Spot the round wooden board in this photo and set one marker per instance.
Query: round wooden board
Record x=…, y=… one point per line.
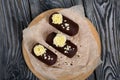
x=27, y=59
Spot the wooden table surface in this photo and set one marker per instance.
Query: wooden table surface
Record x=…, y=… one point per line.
x=15, y=15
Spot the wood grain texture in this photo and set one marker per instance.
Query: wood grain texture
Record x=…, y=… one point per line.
x=104, y=17
x=15, y=15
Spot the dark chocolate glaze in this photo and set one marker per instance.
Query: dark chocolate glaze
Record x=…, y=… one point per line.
x=70, y=53
x=48, y=53
x=73, y=27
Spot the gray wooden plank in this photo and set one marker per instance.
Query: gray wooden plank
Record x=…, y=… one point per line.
x=14, y=17
x=103, y=15
x=39, y=6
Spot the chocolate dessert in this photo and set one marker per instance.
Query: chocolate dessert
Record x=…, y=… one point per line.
x=63, y=24
x=66, y=47
x=44, y=54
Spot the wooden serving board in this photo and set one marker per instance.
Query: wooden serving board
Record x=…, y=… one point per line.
x=35, y=21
